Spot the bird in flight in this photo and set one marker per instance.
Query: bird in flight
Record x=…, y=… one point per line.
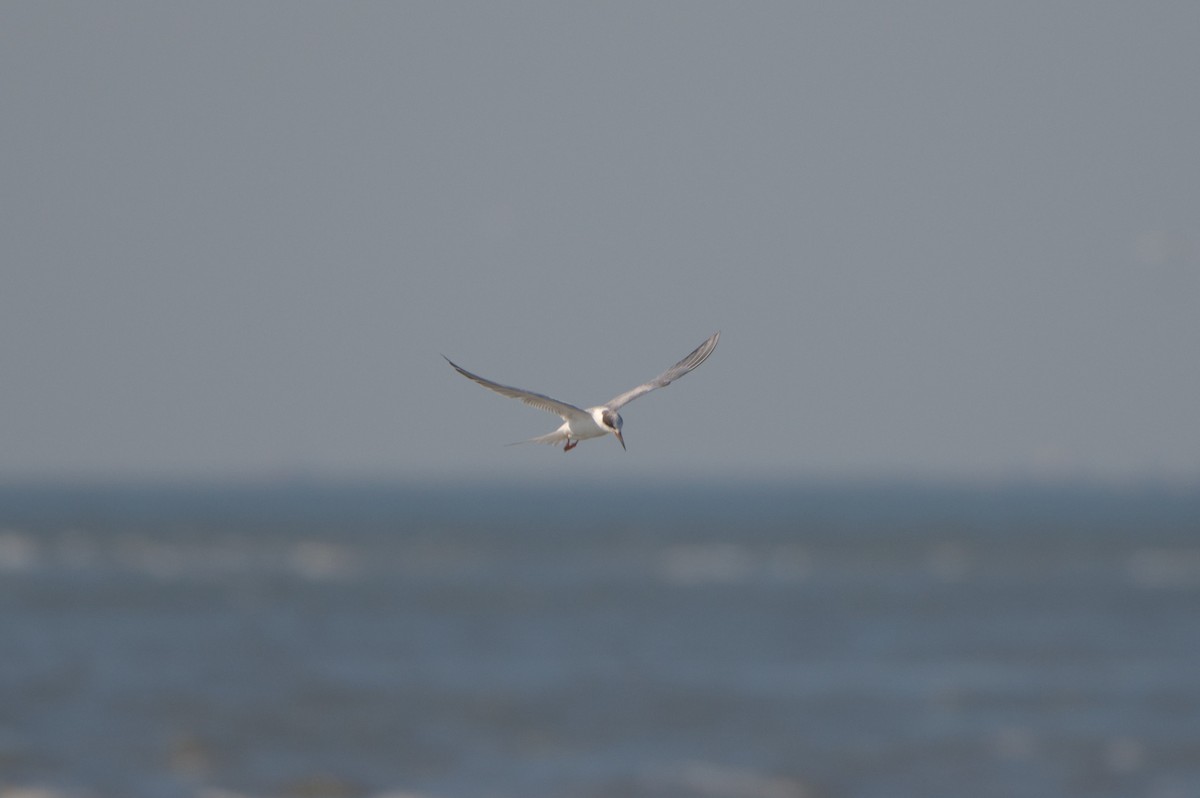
x=594, y=422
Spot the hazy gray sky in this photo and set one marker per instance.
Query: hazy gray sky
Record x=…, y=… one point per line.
x=940, y=239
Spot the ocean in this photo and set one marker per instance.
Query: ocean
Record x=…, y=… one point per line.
x=709, y=640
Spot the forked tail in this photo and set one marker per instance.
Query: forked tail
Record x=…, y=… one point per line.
x=552, y=438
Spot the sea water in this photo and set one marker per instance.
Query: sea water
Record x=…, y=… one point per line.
x=474, y=640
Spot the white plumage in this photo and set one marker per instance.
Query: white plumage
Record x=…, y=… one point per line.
x=593, y=422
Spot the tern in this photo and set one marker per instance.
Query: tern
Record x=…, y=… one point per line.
x=579, y=423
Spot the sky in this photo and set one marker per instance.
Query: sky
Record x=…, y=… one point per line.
x=941, y=240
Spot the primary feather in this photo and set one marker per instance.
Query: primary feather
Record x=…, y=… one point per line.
x=540, y=401
x=697, y=356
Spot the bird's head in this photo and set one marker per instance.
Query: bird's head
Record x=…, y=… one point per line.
x=612, y=419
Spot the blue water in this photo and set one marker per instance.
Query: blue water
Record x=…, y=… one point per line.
x=709, y=640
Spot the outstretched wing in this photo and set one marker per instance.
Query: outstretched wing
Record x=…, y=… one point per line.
x=698, y=356
x=562, y=409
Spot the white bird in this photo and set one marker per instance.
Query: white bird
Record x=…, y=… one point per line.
x=594, y=422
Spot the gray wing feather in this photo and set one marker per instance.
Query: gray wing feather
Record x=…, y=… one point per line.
x=541, y=402
x=698, y=356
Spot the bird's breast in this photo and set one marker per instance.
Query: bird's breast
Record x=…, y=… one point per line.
x=586, y=428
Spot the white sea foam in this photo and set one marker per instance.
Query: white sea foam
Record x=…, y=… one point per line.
x=948, y=562
x=1124, y=755
x=33, y=792
x=729, y=563
x=18, y=551
x=1014, y=743
x=320, y=561
x=720, y=563
x=219, y=792
x=1165, y=568
x=705, y=778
